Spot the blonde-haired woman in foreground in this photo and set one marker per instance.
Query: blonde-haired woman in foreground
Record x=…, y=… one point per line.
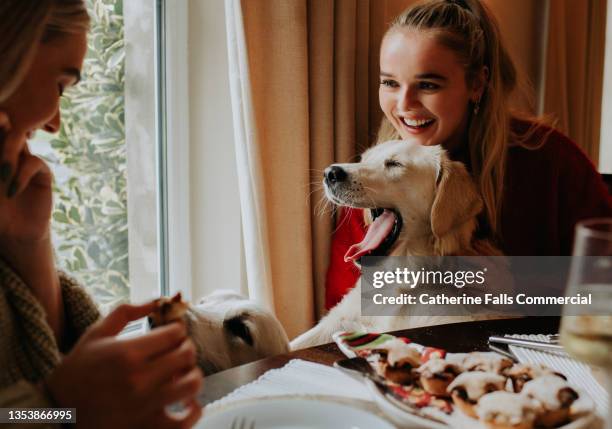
x=55, y=351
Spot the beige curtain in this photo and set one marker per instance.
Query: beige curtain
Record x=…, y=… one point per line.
x=574, y=69
x=307, y=63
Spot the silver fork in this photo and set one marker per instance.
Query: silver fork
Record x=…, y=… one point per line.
x=242, y=423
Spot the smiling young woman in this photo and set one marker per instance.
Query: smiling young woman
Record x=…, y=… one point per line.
x=446, y=79
x=54, y=348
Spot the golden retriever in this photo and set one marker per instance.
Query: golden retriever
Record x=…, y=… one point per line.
x=427, y=205
x=229, y=330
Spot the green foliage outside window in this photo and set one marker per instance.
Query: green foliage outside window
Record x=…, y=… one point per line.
x=89, y=160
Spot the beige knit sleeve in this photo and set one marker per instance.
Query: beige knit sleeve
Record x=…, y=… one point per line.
x=80, y=310
x=25, y=395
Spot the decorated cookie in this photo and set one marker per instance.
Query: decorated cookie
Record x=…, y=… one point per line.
x=469, y=387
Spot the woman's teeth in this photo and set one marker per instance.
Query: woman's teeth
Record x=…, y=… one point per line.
x=417, y=123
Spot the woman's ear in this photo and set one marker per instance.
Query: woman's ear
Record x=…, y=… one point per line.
x=457, y=200
x=479, y=84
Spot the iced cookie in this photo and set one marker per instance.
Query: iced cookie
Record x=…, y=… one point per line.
x=505, y=410
x=555, y=397
x=487, y=362
x=436, y=375
x=400, y=360
x=522, y=373
x=469, y=387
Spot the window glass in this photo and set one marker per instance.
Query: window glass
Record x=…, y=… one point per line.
x=88, y=159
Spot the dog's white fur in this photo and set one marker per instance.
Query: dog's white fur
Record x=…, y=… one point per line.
x=230, y=330
x=439, y=204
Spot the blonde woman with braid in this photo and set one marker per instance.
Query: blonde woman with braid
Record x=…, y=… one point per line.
x=54, y=348
x=446, y=79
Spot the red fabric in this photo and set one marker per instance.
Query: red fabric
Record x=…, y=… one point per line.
x=341, y=276
x=547, y=192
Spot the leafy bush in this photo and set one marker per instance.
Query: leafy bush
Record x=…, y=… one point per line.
x=90, y=163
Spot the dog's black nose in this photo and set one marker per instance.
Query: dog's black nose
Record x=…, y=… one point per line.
x=335, y=174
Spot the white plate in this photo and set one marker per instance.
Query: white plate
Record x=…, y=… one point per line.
x=294, y=413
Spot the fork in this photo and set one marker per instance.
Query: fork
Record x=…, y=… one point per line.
x=242, y=423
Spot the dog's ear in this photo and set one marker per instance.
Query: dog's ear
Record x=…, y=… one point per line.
x=457, y=200
x=238, y=327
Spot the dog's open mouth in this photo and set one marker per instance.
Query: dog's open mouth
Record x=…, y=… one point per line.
x=381, y=235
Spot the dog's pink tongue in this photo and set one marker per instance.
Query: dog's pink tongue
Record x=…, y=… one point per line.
x=378, y=230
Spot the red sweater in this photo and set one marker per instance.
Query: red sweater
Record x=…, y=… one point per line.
x=547, y=191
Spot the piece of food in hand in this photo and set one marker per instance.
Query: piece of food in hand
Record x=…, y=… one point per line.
x=505, y=410
x=487, y=362
x=436, y=375
x=168, y=310
x=521, y=373
x=469, y=387
x=401, y=359
x=555, y=397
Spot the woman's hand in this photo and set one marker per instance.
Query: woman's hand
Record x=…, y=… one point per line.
x=116, y=383
x=25, y=189
x=25, y=212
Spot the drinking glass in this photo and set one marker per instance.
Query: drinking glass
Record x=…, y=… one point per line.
x=586, y=331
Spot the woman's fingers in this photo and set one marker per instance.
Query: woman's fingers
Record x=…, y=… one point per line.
x=184, y=388
x=32, y=171
x=162, y=370
x=159, y=341
x=195, y=413
x=112, y=324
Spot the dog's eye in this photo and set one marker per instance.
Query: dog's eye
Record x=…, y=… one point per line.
x=237, y=327
x=390, y=163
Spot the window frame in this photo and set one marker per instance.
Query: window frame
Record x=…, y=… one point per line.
x=173, y=149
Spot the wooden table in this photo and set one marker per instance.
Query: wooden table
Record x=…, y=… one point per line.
x=456, y=337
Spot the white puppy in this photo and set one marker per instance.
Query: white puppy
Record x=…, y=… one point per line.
x=230, y=330
x=424, y=204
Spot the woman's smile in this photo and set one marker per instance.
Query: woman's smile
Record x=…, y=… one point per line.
x=416, y=125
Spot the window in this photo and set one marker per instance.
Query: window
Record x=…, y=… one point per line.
x=137, y=195
x=88, y=158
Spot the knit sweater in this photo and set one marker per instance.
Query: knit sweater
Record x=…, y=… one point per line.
x=546, y=192
x=28, y=350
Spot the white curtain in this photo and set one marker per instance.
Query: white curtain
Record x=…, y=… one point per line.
x=252, y=204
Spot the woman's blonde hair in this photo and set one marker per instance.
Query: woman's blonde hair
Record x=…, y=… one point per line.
x=26, y=23
x=467, y=28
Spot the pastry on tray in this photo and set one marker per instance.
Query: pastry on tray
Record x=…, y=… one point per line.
x=435, y=375
x=521, y=373
x=555, y=398
x=475, y=390
x=168, y=310
x=400, y=360
x=505, y=410
x=469, y=387
x=487, y=362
